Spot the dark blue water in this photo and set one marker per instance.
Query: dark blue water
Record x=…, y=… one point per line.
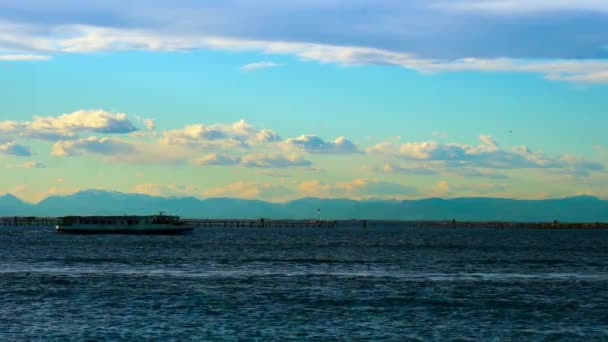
x=378, y=283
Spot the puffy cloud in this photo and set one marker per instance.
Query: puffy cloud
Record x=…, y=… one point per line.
x=412, y=170
x=151, y=153
x=239, y=134
x=15, y=149
x=265, y=161
x=68, y=125
x=435, y=168
x=274, y=161
x=193, y=134
x=94, y=145
x=260, y=65
x=266, y=135
x=12, y=127
x=122, y=151
x=487, y=154
x=215, y=159
x=98, y=121
x=315, y=144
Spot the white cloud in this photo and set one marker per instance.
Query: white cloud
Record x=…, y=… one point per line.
x=315, y=144
x=97, y=120
x=260, y=65
x=94, y=145
x=274, y=161
x=523, y=6
x=425, y=170
x=12, y=127
x=67, y=126
x=123, y=151
x=19, y=58
x=215, y=159
x=86, y=38
x=264, y=161
x=193, y=134
x=594, y=77
x=239, y=134
x=488, y=154
x=266, y=136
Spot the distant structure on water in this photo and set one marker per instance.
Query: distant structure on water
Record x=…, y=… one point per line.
x=155, y=224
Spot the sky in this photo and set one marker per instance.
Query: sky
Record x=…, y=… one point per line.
x=279, y=100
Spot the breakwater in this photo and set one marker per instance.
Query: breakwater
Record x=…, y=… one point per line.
x=484, y=224
x=260, y=223
x=16, y=221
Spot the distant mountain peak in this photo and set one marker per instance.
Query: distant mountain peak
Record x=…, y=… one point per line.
x=583, y=198
x=97, y=192
x=10, y=197
x=582, y=208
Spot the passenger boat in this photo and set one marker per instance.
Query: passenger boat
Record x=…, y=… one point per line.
x=154, y=224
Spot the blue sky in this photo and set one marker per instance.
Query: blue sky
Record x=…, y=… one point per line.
x=280, y=100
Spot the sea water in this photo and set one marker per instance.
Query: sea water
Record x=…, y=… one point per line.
x=381, y=282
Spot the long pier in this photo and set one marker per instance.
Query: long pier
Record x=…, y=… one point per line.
x=31, y=221
x=18, y=221
x=484, y=224
x=260, y=223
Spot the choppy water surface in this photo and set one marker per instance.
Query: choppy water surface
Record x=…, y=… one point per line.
x=348, y=282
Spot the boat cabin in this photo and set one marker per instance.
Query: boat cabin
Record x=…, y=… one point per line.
x=119, y=220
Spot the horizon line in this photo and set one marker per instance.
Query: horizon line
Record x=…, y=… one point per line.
x=303, y=198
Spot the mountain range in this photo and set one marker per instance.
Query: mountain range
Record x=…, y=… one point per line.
x=99, y=202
